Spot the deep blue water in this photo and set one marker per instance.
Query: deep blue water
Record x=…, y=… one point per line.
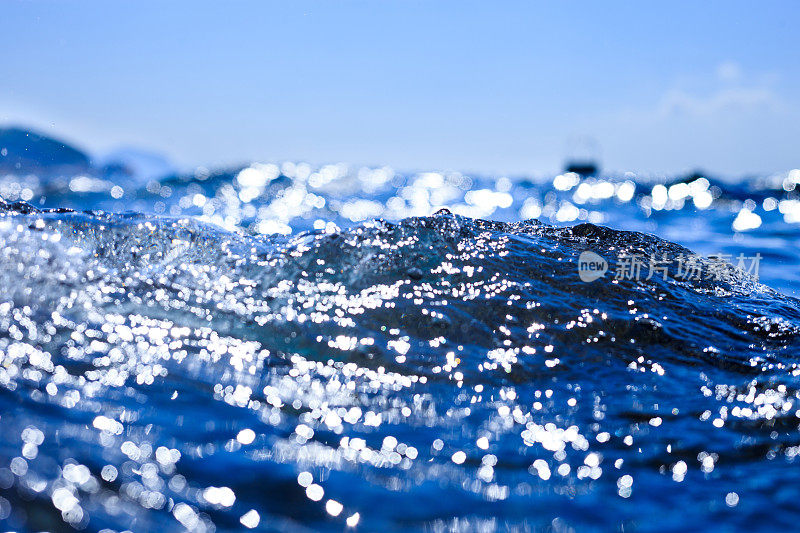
x=297, y=348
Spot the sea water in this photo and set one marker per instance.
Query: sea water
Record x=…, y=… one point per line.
x=282, y=347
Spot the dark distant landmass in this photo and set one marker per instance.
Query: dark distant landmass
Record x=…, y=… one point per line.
x=25, y=151
x=22, y=149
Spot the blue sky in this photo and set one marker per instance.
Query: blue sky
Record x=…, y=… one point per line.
x=485, y=87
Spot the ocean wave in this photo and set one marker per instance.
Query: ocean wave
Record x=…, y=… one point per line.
x=440, y=372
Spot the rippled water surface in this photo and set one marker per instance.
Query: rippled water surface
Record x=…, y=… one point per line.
x=291, y=348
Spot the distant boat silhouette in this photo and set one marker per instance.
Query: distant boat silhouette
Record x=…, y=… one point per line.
x=584, y=168
x=582, y=156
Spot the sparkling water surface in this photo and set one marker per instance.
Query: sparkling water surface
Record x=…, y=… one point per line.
x=281, y=347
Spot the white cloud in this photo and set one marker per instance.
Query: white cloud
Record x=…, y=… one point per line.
x=680, y=102
x=729, y=71
x=730, y=92
x=727, y=120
